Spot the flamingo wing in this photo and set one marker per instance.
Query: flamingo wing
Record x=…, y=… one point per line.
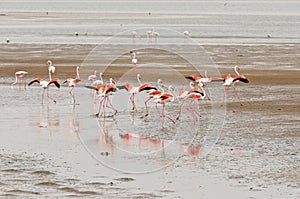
x=242, y=79
x=146, y=87
x=96, y=88
x=193, y=77
x=37, y=80
x=55, y=82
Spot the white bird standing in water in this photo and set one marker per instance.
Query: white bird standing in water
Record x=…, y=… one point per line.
x=20, y=75
x=72, y=83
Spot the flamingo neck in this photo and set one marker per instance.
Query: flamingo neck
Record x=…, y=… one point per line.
x=50, y=76
x=236, y=69
x=138, y=77
x=15, y=81
x=77, y=73
x=100, y=75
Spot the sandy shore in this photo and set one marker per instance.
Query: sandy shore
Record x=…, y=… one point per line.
x=257, y=154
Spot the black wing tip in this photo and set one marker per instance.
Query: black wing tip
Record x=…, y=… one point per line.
x=190, y=78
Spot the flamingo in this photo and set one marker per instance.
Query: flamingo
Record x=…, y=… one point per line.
x=163, y=99
x=20, y=75
x=134, y=90
x=186, y=35
x=134, y=60
x=231, y=81
x=149, y=34
x=105, y=91
x=203, y=80
x=51, y=68
x=45, y=85
x=153, y=94
x=93, y=77
x=72, y=83
x=133, y=36
x=193, y=93
x=155, y=35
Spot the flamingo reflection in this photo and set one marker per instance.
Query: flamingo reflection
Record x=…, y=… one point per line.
x=191, y=149
x=47, y=118
x=105, y=140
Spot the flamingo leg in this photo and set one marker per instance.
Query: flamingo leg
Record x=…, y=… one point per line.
x=225, y=91
x=207, y=92
x=50, y=97
x=195, y=114
x=163, y=115
x=132, y=101
x=72, y=95
x=180, y=110
x=157, y=110
x=25, y=84
x=110, y=105
x=43, y=96
x=237, y=95
x=147, y=109
x=103, y=106
x=100, y=106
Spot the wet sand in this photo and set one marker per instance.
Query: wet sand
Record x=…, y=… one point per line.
x=256, y=156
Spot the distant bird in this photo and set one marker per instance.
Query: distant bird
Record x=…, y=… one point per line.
x=155, y=35
x=7, y=40
x=45, y=85
x=231, y=81
x=72, y=83
x=133, y=35
x=20, y=75
x=134, y=59
x=152, y=34
x=186, y=36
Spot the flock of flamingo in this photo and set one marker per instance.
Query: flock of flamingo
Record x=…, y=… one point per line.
x=157, y=93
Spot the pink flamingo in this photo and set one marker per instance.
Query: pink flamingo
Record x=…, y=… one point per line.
x=45, y=85
x=51, y=68
x=72, y=83
x=153, y=94
x=105, y=91
x=193, y=93
x=133, y=90
x=133, y=36
x=163, y=99
x=20, y=75
x=106, y=102
x=231, y=81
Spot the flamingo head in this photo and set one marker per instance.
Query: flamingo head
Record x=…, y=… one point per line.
x=49, y=62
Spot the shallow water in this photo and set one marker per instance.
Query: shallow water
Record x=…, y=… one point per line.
x=95, y=21
x=64, y=150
